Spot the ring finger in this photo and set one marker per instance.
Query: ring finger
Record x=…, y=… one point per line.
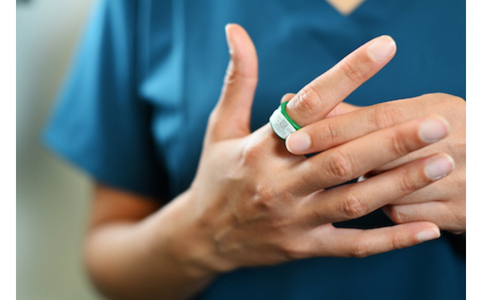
x=355, y=200
x=351, y=160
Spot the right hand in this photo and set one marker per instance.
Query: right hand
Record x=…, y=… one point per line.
x=253, y=203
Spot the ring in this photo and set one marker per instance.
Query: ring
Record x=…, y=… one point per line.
x=281, y=123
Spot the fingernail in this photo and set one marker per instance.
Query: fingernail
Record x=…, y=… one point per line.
x=228, y=39
x=298, y=142
x=382, y=48
x=439, y=167
x=428, y=235
x=433, y=129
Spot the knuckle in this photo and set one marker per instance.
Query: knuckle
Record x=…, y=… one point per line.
x=319, y=216
x=458, y=100
x=406, y=184
x=453, y=102
x=308, y=99
x=234, y=75
x=448, y=100
x=457, y=145
x=251, y=152
x=287, y=97
x=291, y=251
x=461, y=218
x=457, y=216
x=383, y=116
x=265, y=198
x=354, y=72
x=396, y=215
x=354, y=207
x=330, y=134
x=360, y=249
x=339, y=166
x=398, y=144
x=442, y=97
x=397, y=242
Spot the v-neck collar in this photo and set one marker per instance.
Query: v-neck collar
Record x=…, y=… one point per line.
x=358, y=27
x=337, y=7
x=371, y=11
x=374, y=12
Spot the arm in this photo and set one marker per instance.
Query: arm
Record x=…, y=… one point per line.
x=123, y=257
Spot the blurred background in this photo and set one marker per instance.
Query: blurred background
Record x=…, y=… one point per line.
x=52, y=198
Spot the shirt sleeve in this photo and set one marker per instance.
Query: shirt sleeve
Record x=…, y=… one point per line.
x=99, y=123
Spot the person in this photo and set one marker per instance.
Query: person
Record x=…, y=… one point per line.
x=198, y=198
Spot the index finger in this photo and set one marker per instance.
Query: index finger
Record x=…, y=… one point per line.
x=314, y=101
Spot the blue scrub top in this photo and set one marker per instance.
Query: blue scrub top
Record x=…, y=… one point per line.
x=133, y=114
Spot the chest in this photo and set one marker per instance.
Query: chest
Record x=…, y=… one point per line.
x=345, y=7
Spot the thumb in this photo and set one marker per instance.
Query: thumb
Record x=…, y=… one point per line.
x=231, y=116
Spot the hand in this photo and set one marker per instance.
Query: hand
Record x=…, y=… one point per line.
x=443, y=202
x=253, y=203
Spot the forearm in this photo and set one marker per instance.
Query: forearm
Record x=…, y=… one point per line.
x=141, y=261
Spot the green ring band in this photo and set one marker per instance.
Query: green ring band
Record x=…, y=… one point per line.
x=283, y=111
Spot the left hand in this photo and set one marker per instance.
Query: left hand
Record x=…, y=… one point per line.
x=442, y=202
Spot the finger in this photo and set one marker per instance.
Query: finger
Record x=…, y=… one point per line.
x=444, y=144
x=343, y=127
x=439, y=191
x=412, y=156
x=356, y=200
x=427, y=194
x=270, y=139
x=353, y=159
x=341, y=109
x=334, y=131
x=287, y=97
x=362, y=243
x=231, y=116
x=314, y=101
x=447, y=218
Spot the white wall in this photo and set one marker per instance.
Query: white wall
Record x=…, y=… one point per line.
x=52, y=198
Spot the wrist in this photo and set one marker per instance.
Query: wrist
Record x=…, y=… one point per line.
x=181, y=238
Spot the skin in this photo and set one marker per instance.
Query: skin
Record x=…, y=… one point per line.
x=254, y=203
x=442, y=203
x=345, y=7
